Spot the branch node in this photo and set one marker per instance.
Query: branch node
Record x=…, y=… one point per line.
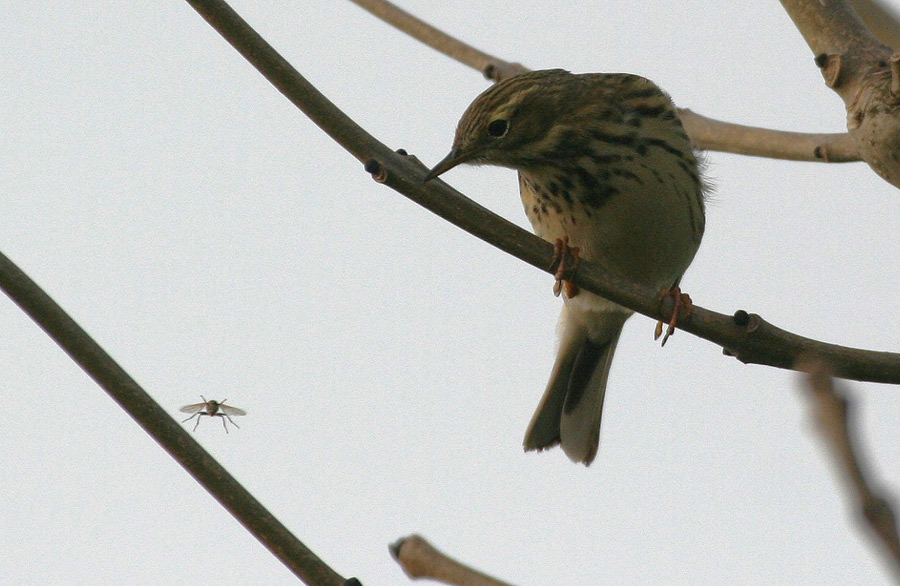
x=831, y=68
x=499, y=70
x=895, y=73
x=821, y=152
x=754, y=322
x=352, y=582
x=855, y=118
x=880, y=516
x=741, y=318
x=378, y=173
x=394, y=548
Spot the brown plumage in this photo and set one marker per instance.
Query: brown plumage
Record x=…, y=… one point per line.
x=603, y=161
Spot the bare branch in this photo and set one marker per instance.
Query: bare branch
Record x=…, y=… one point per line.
x=420, y=559
x=747, y=337
x=492, y=67
x=173, y=438
x=881, y=19
x=706, y=133
x=857, y=67
x=895, y=73
x=833, y=412
x=830, y=27
x=714, y=135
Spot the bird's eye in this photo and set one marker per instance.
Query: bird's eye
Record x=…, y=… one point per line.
x=498, y=128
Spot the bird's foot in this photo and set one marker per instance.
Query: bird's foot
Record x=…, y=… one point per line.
x=683, y=306
x=564, y=261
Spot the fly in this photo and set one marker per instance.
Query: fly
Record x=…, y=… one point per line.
x=212, y=408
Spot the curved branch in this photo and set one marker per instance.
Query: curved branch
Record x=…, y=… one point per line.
x=833, y=412
x=747, y=337
x=858, y=68
x=706, y=133
x=166, y=431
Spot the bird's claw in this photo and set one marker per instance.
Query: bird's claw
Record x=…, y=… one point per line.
x=563, y=256
x=683, y=306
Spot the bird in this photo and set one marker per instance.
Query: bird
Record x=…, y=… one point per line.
x=607, y=173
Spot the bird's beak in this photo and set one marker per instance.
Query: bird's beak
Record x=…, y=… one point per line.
x=453, y=159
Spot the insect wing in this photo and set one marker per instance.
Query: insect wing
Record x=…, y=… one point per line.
x=193, y=408
x=229, y=410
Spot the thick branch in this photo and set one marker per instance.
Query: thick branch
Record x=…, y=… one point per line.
x=705, y=133
x=165, y=430
x=858, y=68
x=829, y=27
x=748, y=337
x=881, y=19
x=834, y=414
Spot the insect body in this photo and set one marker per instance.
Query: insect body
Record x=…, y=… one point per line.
x=212, y=408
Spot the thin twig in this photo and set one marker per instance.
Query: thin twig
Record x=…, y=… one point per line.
x=420, y=559
x=747, y=337
x=706, y=133
x=833, y=412
x=165, y=430
x=491, y=67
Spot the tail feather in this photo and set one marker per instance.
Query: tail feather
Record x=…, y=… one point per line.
x=572, y=405
x=543, y=431
x=583, y=409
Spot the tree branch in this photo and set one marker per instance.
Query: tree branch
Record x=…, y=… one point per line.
x=420, y=559
x=858, y=68
x=714, y=135
x=706, y=133
x=167, y=432
x=491, y=67
x=833, y=412
x=743, y=335
x=747, y=337
x=881, y=19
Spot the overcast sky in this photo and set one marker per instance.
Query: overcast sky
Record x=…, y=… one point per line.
x=215, y=242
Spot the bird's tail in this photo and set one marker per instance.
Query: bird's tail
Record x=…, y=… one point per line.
x=570, y=411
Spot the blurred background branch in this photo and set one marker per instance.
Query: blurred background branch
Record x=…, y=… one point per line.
x=836, y=420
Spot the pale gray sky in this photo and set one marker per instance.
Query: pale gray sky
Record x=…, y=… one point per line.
x=215, y=242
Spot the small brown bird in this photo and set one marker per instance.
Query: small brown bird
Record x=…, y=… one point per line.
x=606, y=166
x=212, y=408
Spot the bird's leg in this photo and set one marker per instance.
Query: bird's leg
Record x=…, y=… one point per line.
x=682, y=300
x=563, y=256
